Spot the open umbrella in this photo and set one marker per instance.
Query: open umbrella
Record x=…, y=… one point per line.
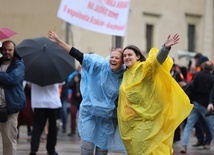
x=45, y=62
x=6, y=33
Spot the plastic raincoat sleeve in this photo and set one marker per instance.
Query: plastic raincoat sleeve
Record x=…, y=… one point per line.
x=151, y=106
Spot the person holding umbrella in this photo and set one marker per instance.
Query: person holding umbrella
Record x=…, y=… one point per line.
x=46, y=102
x=12, y=96
x=100, y=81
x=6, y=33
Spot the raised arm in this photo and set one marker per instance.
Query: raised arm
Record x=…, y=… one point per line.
x=54, y=37
x=170, y=41
x=78, y=55
x=164, y=51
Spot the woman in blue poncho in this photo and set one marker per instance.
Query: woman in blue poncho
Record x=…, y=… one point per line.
x=100, y=81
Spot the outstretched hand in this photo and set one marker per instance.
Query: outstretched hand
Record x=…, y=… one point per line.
x=171, y=40
x=53, y=36
x=210, y=107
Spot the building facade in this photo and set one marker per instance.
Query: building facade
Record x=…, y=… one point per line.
x=149, y=23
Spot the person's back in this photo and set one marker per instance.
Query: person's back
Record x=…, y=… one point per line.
x=46, y=103
x=45, y=97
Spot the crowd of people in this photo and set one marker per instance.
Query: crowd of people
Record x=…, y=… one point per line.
x=124, y=102
x=25, y=103
x=198, y=88
x=197, y=80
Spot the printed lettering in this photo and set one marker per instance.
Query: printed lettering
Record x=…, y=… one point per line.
x=122, y=4
x=78, y=15
x=97, y=21
x=101, y=9
x=113, y=14
x=91, y=5
x=65, y=8
x=115, y=27
x=111, y=3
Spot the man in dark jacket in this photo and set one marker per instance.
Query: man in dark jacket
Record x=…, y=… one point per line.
x=11, y=94
x=202, y=85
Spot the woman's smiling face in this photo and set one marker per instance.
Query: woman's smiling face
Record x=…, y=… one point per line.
x=130, y=58
x=116, y=60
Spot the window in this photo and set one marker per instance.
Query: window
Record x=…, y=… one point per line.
x=193, y=30
x=117, y=42
x=191, y=37
x=149, y=36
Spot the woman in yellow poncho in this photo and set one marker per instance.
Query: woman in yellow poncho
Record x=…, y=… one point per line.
x=151, y=103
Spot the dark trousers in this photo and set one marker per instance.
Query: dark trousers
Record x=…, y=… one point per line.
x=203, y=133
x=73, y=111
x=41, y=116
x=177, y=134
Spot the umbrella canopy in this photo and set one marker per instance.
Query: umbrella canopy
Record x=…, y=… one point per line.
x=6, y=33
x=45, y=62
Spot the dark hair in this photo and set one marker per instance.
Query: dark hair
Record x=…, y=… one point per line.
x=198, y=55
x=8, y=41
x=208, y=65
x=202, y=59
x=136, y=51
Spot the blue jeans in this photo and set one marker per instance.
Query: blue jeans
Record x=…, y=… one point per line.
x=197, y=111
x=64, y=114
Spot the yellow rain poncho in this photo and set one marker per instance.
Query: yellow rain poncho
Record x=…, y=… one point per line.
x=151, y=106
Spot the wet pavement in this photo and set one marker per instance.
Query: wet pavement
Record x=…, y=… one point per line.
x=71, y=145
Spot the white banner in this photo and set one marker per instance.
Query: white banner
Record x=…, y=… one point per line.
x=103, y=16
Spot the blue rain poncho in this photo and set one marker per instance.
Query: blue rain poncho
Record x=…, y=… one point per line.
x=98, y=115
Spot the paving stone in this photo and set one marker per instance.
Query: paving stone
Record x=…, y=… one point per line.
x=71, y=145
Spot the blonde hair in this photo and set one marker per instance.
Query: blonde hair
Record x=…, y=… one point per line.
x=118, y=49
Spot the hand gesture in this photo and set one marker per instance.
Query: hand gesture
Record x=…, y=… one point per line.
x=53, y=36
x=171, y=41
x=210, y=107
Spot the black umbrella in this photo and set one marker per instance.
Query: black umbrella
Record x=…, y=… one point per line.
x=45, y=62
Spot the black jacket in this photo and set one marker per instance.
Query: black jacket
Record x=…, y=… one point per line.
x=202, y=82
